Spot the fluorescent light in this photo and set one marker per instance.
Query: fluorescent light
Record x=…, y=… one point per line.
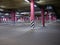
x=41, y=1
x=17, y=12
x=27, y=1
x=1, y=13
x=2, y=16
x=35, y=6
x=2, y=6
x=25, y=13
x=49, y=7
x=17, y=15
x=1, y=10
x=6, y=13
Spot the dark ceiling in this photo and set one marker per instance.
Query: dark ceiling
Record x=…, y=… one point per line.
x=23, y=5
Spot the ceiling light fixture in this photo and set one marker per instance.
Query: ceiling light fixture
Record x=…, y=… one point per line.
x=1, y=10
x=49, y=7
x=6, y=13
x=2, y=6
x=41, y=2
x=35, y=6
x=27, y=1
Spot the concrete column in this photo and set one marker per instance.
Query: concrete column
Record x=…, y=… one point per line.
x=47, y=16
x=0, y=19
x=32, y=13
x=54, y=17
x=32, y=10
x=51, y=17
x=43, y=18
x=13, y=16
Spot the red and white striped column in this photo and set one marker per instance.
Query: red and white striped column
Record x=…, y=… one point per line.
x=32, y=14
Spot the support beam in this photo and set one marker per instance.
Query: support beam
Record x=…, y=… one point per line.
x=13, y=16
x=32, y=13
x=51, y=17
x=32, y=10
x=47, y=16
x=42, y=15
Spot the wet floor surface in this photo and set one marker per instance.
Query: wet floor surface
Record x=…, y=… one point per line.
x=49, y=35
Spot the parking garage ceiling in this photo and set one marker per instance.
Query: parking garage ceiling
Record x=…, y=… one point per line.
x=23, y=5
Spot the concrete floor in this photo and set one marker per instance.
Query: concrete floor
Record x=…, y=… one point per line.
x=13, y=35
